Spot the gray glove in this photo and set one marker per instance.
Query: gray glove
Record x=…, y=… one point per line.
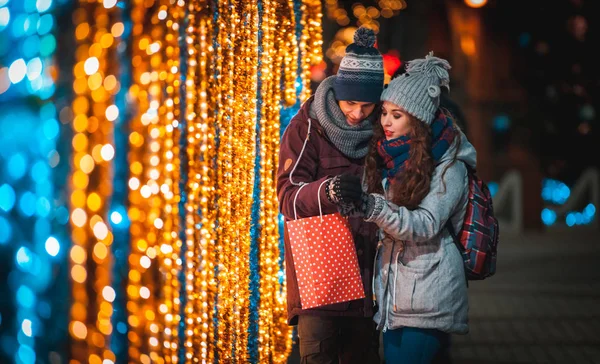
x=372, y=204
x=368, y=205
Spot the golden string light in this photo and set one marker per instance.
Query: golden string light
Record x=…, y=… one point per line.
x=214, y=49
x=244, y=129
x=366, y=15
x=226, y=234
x=94, y=112
x=136, y=139
x=169, y=114
x=311, y=42
x=281, y=332
x=268, y=84
x=290, y=54
x=337, y=13
x=192, y=218
x=278, y=25
x=201, y=190
x=146, y=322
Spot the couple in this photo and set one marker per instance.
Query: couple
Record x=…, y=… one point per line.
x=399, y=167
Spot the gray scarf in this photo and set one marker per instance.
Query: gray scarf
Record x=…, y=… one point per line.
x=353, y=141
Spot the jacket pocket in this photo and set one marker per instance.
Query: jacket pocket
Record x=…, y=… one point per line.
x=333, y=165
x=415, y=286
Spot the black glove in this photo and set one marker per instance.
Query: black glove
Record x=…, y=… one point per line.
x=345, y=189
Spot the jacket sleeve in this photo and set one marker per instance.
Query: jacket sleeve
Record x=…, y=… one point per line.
x=306, y=171
x=429, y=218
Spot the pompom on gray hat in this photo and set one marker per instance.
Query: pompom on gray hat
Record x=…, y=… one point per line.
x=418, y=90
x=360, y=76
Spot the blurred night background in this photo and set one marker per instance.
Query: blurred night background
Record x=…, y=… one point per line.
x=527, y=90
x=524, y=85
x=523, y=76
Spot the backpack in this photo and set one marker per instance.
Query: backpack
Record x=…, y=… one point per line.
x=477, y=240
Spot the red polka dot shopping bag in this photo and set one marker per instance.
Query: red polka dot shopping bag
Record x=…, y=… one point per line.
x=325, y=258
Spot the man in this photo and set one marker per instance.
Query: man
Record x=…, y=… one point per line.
x=338, y=119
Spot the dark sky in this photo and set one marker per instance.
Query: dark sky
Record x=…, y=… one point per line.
x=551, y=44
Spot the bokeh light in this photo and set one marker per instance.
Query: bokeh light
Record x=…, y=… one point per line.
x=476, y=3
x=29, y=204
x=555, y=191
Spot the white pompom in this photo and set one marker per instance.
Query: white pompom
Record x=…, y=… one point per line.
x=434, y=91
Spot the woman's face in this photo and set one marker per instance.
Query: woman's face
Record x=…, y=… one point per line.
x=394, y=120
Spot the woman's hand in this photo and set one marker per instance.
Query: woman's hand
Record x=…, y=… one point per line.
x=371, y=205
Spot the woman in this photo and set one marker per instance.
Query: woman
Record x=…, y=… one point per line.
x=417, y=182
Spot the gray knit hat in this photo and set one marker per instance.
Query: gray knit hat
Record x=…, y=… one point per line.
x=418, y=90
x=360, y=76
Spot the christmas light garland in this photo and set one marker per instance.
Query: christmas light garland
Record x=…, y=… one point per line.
x=208, y=82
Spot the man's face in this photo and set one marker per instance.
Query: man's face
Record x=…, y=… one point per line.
x=356, y=111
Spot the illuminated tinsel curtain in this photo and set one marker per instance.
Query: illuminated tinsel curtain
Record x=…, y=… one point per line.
x=176, y=116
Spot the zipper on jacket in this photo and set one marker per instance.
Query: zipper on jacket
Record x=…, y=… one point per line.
x=387, y=304
x=387, y=285
x=387, y=300
x=395, y=281
x=373, y=278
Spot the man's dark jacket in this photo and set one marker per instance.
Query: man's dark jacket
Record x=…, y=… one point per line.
x=320, y=160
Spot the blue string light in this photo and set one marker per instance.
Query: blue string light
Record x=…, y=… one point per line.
x=118, y=217
x=183, y=51
x=216, y=45
x=29, y=132
x=255, y=228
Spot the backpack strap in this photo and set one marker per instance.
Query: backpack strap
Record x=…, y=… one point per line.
x=460, y=247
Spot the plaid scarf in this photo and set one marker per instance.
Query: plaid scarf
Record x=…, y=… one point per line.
x=395, y=152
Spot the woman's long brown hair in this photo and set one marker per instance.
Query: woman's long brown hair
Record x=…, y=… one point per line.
x=416, y=177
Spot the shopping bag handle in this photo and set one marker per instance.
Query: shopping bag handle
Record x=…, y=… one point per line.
x=318, y=199
x=295, y=197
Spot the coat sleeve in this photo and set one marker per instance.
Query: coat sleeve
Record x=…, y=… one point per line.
x=429, y=218
x=306, y=171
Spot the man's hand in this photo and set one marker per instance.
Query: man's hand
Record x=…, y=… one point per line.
x=345, y=189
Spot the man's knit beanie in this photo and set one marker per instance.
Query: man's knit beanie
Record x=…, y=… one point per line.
x=418, y=90
x=360, y=76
